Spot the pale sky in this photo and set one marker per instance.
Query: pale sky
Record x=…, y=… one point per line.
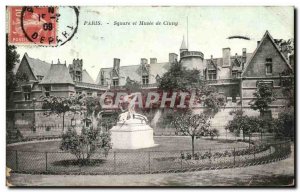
x=208, y=29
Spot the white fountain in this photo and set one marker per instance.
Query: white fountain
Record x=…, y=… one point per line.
x=132, y=130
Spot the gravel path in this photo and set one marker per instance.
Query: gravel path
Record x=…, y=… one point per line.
x=278, y=173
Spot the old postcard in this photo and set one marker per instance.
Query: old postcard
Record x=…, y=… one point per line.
x=150, y=96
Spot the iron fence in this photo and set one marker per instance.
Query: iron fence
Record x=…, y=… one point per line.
x=145, y=162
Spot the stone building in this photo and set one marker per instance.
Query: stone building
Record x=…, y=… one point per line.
x=47, y=79
x=234, y=75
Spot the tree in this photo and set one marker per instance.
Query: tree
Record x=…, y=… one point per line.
x=83, y=146
x=285, y=124
x=263, y=97
x=132, y=86
x=244, y=123
x=89, y=106
x=285, y=45
x=193, y=125
x=179, y=78
x=12, y=57
x=91, y=138
x=213, y=133
x=288, y=86
x=57, y=105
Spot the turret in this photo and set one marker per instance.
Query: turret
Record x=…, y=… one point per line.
x=183, y=46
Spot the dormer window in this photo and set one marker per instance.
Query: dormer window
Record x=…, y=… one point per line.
x=40, y=77
x=236, y=74
x=27, y=93
x=145, y=79
x=115, y=82
x=212, y=74
x=269, y=67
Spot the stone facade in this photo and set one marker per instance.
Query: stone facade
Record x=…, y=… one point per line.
x=236, y=76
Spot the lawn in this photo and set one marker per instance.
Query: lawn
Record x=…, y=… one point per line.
x=164, y=144
x=46, y=157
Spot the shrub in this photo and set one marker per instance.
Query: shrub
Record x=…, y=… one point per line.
x=83, y=146
x=285, y=124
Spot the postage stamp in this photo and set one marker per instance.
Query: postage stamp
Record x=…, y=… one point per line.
x=33, y=25
x=16, y=35
x=42, y=25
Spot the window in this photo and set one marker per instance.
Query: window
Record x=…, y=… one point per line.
x=89, y=94
x=27, y=92
x=115, y=82
x=78, y=76
x=268, y=83
x=87, y=122
x=145, y=79
x=40, y=77
x=212, y=74
x=47, y=91
x=269, y=66
x=236, y=74
x=102, y=78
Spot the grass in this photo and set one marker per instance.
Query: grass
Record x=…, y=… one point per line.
x=32, y=157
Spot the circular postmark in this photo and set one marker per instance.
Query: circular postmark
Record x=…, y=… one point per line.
x=49, y=26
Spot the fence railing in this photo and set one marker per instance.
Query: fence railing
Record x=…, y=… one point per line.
x=145, y=162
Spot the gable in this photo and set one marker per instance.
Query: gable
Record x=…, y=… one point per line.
x=257, y=64
x=115, y=73
x=24, y=67
x=145, y=70
x=211, y=65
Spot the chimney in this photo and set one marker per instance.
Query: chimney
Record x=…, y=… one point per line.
x=144, y=61
x=258, y=42
x=173, y=57
x=244, y=57
x=226, y=57
x=153, y=60
x=116, y=63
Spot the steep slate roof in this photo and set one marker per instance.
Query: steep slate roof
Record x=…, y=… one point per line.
x=159, y=68
x=58, y=74
x=86, y=78
x=131, y=71
x=134, y=71
x=37, y=66
x=266, y=35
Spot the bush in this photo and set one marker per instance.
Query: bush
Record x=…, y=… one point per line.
x=247, y=124
x=213, y=133
x=83, y=146
x=285, y=124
